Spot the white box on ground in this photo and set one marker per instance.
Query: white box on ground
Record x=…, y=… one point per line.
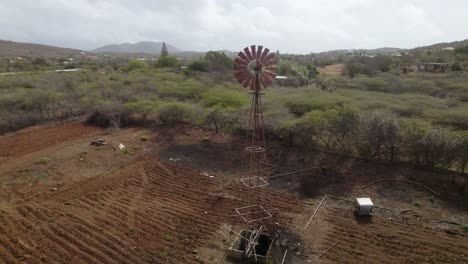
x=364, y=206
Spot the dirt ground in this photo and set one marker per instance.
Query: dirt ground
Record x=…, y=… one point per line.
x=165, y=199
x=334, y=69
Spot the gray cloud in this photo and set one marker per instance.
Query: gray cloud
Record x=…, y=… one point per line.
x=299, y=26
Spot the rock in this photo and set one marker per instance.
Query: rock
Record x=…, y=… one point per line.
x=194, y=251
x=54, y=189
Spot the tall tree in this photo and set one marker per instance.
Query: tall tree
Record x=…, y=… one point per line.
x=164, y=51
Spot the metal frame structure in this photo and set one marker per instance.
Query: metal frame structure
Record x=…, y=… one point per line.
x=255, y=69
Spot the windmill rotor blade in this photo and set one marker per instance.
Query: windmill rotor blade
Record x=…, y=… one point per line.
x=259, y=52
x=268, y=64
x=246, y=82
x=249, y=55
x=242, y=56
x=265, y=52
x=240, y=67
x=268, y=58
x=241, y=75
x=253, y=49
x=262, y=58
x=270, y=74
x=272, y=68
x=239, y=61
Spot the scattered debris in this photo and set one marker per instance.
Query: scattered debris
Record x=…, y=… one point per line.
x=99, y=142
x=404, y=211
x=121, y=146
x=44, y=160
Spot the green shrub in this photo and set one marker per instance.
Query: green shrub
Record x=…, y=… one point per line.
x=187, y=89
x=178, y=112
x=135, y=65
x=166, y=62
x=224, y=98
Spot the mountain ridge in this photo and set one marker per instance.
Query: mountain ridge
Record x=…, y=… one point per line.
x=10, y=49
x=143, y=47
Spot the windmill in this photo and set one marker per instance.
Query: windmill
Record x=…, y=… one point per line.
x=255, y=69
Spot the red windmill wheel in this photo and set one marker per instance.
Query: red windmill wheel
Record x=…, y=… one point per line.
x=255, y=67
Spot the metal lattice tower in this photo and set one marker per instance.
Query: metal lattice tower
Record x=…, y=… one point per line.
x=254, y=69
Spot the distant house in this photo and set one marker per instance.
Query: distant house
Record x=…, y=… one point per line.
x=430, y=67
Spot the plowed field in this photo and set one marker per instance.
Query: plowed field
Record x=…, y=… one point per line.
x=65, y=201
x=148, y=211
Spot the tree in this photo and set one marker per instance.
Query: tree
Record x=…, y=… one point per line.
x=313, y=71
x=294, y=70
x=198, y=65
x=164, y=51
x=456, y=67
x=166, y=62
x=462, y=49
x=39, y=63
x=212, y=61
x=135, y=64
x=380, y=134
x=218, y=61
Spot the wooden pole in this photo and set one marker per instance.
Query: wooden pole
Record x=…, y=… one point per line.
x=291, y=173
x=328, y=249
x=318, y=207
x=398, y=180
x=284, y=257
x=234, y=232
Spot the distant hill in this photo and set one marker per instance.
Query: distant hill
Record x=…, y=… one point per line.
x=143, y=47
x=442, y=45
x=11, y=49
x=383, y=51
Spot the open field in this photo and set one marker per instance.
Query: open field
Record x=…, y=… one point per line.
x=66, y=201
x=334, y=69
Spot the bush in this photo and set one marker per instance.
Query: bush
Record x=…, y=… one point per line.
x=456, y=67
x=224, y=98
x=166, y=62
x=430, y=146
x=135, y=65
x=212, y=61
x=294, y=71
x=178, y=112
x=199, y=65
x=379, y=136
x=187, y=89
x=111, y=114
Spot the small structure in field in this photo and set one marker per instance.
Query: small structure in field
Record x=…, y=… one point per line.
x=364, y=206
x=429, y=67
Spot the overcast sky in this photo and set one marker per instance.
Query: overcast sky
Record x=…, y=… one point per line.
x=291, y=26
